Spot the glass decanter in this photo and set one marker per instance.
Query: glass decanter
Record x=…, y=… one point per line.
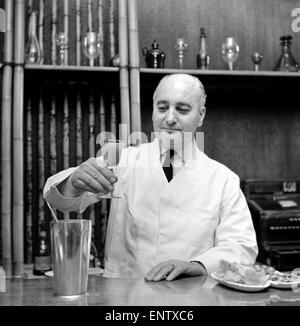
x=286, y=61
x=33, y=54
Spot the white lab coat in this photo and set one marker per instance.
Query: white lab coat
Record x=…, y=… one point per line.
x=200, y=215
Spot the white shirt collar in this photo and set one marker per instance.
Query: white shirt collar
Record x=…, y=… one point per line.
x=183, y=155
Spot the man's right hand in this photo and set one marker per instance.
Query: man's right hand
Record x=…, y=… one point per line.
x=90, y=176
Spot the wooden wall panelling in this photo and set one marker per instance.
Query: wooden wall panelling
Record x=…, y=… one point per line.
x=251, y=124
x=293, y=144
x=247, y=134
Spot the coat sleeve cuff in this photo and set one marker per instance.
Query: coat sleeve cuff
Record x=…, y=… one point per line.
x=210, y=263
x=63, y=204
x=199, y=262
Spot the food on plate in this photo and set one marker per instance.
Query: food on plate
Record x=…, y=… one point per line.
x=287, y=277
x=235, y=274
x=269, y=270
x=242, y=274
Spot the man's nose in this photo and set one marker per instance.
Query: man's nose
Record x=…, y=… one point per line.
x=171, y=117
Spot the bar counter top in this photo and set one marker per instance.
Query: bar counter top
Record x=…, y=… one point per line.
x=192, y=291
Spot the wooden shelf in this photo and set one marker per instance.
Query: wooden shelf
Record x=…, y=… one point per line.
x=100, y=75
x=71, y=68
x=224, y=80
x=222, y=72
x=167, y=71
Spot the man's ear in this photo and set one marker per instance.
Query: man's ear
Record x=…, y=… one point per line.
x=202, y=115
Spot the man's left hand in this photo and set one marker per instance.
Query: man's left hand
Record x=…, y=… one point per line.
x=171, y=269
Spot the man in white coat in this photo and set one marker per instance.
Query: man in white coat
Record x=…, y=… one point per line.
x=162, y=229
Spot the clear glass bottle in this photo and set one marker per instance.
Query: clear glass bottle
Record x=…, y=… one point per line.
x=286, y=61
x=202, y=56
x=2, y=280
x=42, y=254
x=33, y=53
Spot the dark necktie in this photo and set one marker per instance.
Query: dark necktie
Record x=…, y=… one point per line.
x=167, y=166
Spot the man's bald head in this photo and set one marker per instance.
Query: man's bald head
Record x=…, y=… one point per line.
x=194, y=82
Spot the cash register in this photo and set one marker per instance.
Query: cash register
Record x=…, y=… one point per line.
x=275, y=210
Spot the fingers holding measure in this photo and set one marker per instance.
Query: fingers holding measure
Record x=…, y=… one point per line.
x=94, y=177
x=103, y=175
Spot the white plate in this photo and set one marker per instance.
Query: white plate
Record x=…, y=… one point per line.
x=285, y=285
x=241, y=287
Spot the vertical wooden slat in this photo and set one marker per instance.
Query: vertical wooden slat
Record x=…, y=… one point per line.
x=52, y=134
x=59, y=121
x=52, y=126
x=47, y=105
x=30, y=7
x=78, y=33
x=72, y=102
x=66, y=30
x=18, y=141
x=104, y=202
x=66, y=134
x=90, y=23
x=112, y=41
x=78, y=131
x=90, y=26
x=102, y=114
x=53, y=32
x=78, y=124
x=34, y=102
x=97, y=206
x=65, y=105
x=41, y=166
x=85, y=120
x=85, y=128
x=134, y=68
x=41, y=29
x=92, y=141
x=28, y=166
x=124, y=78
x=100, y=31
x=66, y=131
x=113, y=117
x=28, y=189
x=91, y=125
x=6, y=142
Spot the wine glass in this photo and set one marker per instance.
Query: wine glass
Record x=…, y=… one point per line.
x=111, y=153
x=230, y=51
x=62, y=46
x=256, y=59
x=91, y=46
